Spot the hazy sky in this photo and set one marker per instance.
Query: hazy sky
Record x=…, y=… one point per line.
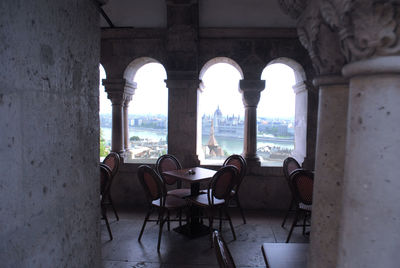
x=221, y=88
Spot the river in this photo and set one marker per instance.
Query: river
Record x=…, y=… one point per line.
x=229, y=144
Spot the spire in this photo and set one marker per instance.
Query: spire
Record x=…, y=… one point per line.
x=212, y=142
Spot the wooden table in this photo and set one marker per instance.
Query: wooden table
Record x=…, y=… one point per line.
x=285, y=255
x=194, y=228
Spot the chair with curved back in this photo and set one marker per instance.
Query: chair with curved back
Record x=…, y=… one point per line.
x=105, y=182
x=289, y=165
x=218, y=195
x=222, y=252
x=302, y=182
x=112, y=160
x=240, y=163
x=168, y=162
x=158, y=199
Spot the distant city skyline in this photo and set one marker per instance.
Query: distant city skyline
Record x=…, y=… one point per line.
x=220, y=80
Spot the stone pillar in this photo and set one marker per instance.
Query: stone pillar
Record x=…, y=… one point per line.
x=115, y=92
x=129, y=92
x=300, y=122
x=329, y=169
x=323, y=46
x=251, y=90
x=182, y=120
x=370, y=235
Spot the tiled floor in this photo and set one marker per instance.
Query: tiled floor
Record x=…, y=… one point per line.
x=179, y=251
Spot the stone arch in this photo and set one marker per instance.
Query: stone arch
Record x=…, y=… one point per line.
x=299, y=73
x=301, y=106
x=216, y=60
x=135, y=65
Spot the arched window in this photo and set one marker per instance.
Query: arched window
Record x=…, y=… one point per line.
x=220, y=111
x=148, y=113
x=105, y=116
x=280, y=115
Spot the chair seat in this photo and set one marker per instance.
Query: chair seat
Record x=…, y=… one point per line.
x=202, y=200
x=305, y=207
x=181, y=193
x=171, y=202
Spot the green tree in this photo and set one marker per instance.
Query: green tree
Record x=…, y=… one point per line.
x=134, y=138
x=103, y=151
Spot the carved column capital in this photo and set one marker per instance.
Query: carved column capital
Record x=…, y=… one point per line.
x=293, y=8
x=367, y=28
x=251, y=90
x=118, y=89
x=321, y=42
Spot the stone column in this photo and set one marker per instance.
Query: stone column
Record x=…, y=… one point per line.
x=115, y=92
x=300, y=122
x=182, y=120
x=323, y=46
x=370, y=235
x=129, y=92
x=329, y=170
x=251, y=90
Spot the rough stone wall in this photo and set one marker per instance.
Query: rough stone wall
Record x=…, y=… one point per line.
x=49, y=211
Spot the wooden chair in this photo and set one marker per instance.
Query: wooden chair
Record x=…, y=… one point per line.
x=222, y=252
x=302, y=184
x=105, y=182
x=112, y=160
x=289, y=165
x=240, y=163
x=158, y=200
x=218, y=196
x=169, y=162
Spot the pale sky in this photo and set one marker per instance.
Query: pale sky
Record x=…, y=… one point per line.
x=220, y=88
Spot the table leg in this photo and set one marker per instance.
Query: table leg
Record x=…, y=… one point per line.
x=194, y=228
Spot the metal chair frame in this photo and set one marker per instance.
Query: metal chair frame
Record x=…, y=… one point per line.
x=287, y=173
x=105, y=183
x=226, y=196
x=232, y=160
x=158, y=201
x=114, y=171
x=222, y=252
x=179, y=192
x=302, y=203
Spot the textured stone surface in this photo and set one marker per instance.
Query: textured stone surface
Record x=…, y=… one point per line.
x=49, y=116
x=329, y=170
x=371, y=213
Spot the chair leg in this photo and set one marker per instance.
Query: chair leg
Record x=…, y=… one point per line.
x=161, y=222
x=287, y=212
x=144, y=223
x=180, y=217
x=304, y=223
x=112, y=206
x=240, y=208
x=230, y=222
x=293, y=225
x=220, y=219
x=104, y=215
x=210, y=222
x=168, y=220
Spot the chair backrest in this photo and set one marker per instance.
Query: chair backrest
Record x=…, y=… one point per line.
x=112, y=161
x=222, y=183
x=167, y=162
x=105, y=180
x=240, y=163
x=152, y=184
x=302, y=182
x=289, y=165
x=222, y=252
